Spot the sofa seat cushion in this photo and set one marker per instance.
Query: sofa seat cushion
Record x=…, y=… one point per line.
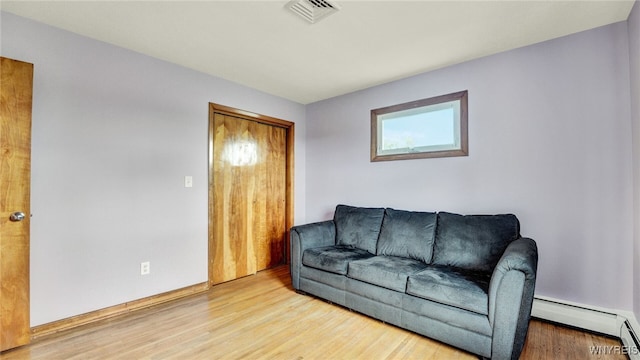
x=457, y=287
x=390, y=272
x=473, y=242
x=358, y=227
x=334, y=258
x=407, y=234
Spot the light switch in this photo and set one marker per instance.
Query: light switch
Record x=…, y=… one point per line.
x=188, y=181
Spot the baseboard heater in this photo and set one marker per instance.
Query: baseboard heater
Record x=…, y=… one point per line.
x=620, y=325
x=630, y=340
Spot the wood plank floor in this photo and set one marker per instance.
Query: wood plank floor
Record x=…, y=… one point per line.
x=261, y=317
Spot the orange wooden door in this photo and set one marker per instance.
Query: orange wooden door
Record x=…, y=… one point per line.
x=16, y=79
x=249, y=194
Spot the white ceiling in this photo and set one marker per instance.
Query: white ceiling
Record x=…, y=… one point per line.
x=262, y=45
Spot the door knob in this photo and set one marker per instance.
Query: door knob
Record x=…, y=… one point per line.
x=17, y=216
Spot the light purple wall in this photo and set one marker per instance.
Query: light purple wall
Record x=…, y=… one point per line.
x=634, y=60
x=549, y=140
x=114, y=134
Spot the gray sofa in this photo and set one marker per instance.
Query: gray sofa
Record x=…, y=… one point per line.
x=467, y=281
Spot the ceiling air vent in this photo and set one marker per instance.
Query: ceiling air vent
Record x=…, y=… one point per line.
x=312, y=10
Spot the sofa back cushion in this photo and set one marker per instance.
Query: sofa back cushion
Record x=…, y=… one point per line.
x=473, y=242
x=408, y=234
x=358, y=227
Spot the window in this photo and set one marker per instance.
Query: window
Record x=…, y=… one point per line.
x=427, y=128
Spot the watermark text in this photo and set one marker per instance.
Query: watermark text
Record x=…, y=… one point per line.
x=614, y=350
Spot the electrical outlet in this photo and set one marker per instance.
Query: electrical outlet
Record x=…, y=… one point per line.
x=188, y=181
x=145, y=268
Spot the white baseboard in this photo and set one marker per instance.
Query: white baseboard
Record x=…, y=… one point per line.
x=620, y=324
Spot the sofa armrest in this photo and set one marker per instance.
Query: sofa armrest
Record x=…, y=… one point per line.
x=305, y=237
x=511, y=296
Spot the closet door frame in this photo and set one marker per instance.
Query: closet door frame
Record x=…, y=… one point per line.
x=289, y=188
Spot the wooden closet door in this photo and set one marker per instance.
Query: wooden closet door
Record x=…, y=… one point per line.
x=249, y=194
x=16, y=79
